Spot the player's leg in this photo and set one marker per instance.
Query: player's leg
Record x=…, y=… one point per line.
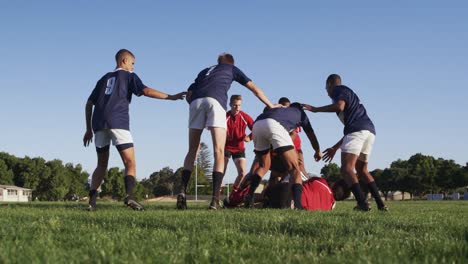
x=218, y=135
x=350, y=150
x=300, y=157
x=264, y=162
x=289, y=156
x=194, y=144
x=127, y=153
x=239, y=161
x=227, y=156
x=102, y=141
x=98, y=175
x=363, y=172
x=348, y=163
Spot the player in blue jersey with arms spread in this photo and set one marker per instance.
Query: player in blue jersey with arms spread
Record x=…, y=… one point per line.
x=356, y=145
x=272, y=130
x=208, y=97
x=110, y=122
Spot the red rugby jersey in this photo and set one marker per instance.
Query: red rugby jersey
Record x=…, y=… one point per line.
x=297, y=139
x=236, y=125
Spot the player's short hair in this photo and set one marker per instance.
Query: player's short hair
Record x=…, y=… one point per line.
x=334, y=79
x=121, y=54
x=225, y=58
x=235, y=97
x=341, y=190
x=297, y=105
x=283, y=100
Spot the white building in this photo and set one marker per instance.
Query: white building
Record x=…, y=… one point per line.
x=10, y=193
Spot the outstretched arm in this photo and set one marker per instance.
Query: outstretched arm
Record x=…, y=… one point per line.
x=315, y=144
x=149, y=92
x=329, y=153
x=259, y=94
x=336, y=107
x=88, y=136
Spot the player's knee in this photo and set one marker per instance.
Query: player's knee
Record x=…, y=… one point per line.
x=347, y=170
x=129, y=163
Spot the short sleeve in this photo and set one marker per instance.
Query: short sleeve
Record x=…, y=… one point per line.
x=94, y=94
x=239, y=76
x=341, y=94
x=135, y=85
x=305, y=123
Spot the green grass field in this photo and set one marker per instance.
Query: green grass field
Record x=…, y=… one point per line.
x=422, y=232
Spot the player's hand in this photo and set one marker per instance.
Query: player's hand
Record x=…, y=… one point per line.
x=276, y=106
x=178, y=96
x=329, y=153
x=318, y=155
x=88, y=137
x=309, y=108
x=247, y=139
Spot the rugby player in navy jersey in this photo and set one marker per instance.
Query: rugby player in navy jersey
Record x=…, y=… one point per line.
x=207, y=97
x=272, y=129
x=110, y=122
x=356, y=145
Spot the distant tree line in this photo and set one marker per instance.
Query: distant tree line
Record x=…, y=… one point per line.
x=418, y=175
x=53, y=180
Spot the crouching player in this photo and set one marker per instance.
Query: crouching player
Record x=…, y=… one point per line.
x=272, y=129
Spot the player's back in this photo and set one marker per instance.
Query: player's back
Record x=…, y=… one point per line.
x=111, y=98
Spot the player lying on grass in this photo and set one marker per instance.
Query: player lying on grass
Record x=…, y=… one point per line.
x=110, y=122
x=271, y=129
x=357, y=143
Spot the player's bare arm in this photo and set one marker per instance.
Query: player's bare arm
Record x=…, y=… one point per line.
x=331, y=108
x=88, y=136
x=329, y=153
x=259, y=94
x=315, y=144
x=149, y=92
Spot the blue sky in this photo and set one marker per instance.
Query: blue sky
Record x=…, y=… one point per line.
x=406, y=61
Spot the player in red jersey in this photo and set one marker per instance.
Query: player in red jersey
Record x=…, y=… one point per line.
x=237, y=123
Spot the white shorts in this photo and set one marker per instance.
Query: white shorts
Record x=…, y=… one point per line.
x=102, y=138
x=206, y=112
x=359, y=143
x=268, y=132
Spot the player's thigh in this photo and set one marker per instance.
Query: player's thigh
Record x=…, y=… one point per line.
x=353, y=143
x=197, y=114
x=367, y=147
x=218, y=135
x=102, y=138
x=215, y=115
x=261, y=135
x=289, y=156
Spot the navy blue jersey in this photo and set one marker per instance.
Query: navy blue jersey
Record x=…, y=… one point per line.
x=215, y=82
x=290, y=118
x=354, y=116
x=111, y=98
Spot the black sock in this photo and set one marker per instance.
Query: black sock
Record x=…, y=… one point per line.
x=375, y=194
x=185, y=180
x=93, y=197
x=217, y=181
x=297, y=195
x=358, y=195
x=254, y=184
x=129, y=186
